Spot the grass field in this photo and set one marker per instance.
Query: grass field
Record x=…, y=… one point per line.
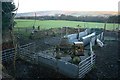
x=46, y=24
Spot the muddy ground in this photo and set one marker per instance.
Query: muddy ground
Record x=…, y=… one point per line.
x=106, y=65
x=106, y=61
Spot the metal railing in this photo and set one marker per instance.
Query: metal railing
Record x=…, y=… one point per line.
x=9, y=54
x=61, y=66
x=86, y=65
x=27, y=53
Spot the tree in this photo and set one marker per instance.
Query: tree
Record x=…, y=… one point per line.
x=7, y=24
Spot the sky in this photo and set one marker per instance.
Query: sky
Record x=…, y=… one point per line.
x=66, y=5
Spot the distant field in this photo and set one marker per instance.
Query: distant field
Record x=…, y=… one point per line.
x=46, y=24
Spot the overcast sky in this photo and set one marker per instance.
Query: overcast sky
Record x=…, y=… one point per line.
x=67, y=5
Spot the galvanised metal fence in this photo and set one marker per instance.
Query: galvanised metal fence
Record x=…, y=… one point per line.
x=27, y=52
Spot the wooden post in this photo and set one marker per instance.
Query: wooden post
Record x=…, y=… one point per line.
x=66, y=30
x=118, y=27
x=17, y=29
x=26, y=30
x=38, y=27
x=61, y=32
x=0, y=32
x=117, y=32
x=114, y=26
x=104, y=30
x=34, y=47
x=84, y=25
x=0, y=39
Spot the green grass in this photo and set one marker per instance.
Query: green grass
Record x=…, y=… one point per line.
x=46, y=24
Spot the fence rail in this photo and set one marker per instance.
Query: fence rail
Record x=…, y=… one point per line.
x=86, y=65
x=9, y=54
x=27, y=53
x=61, y=66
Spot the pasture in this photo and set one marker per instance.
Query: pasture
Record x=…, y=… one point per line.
x=47, y=24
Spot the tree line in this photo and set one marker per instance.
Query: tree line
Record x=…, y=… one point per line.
x=110, y=19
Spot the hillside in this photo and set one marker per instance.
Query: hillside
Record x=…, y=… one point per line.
x=73, y=13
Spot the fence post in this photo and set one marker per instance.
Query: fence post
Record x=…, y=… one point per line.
x=78, y=70
x=26, y=30
x=34, y=46
x=102, y=36
x=17, y=29
x=104, y=31
x=91, y=51
x=61, y=32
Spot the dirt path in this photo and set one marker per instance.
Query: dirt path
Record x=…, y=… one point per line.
x=106, y=62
